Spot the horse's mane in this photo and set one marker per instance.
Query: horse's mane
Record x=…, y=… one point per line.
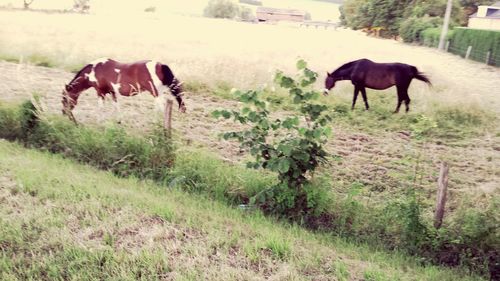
x=345, y=66
x=79, y=73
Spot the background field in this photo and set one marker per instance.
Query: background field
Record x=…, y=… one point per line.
x=379, y=151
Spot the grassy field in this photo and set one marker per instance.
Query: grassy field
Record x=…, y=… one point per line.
x=64, y=220
x=380, y=155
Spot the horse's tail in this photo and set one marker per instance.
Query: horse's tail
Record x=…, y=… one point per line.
x=420, y=76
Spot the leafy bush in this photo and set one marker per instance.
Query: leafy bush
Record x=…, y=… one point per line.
x=430, y=36
x=246, y=14
x=396, y=17
x=290, y=146
x=411, y=29
x=10, y=125
x=221, y=9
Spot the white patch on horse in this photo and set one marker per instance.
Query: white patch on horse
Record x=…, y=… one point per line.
x=117, y=70
x=151, y=66
x=135, y=89
x=116, y=88
x=91, y=76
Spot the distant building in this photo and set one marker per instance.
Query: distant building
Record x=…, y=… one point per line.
x=274, y=14
x=487, y=17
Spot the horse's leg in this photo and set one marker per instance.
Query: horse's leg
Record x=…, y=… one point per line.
x=407, y=102
x=402, y=87
x=363, y=93
x=356, y=92
x=101, y=95
x=406, y=98
x=400, y=99
x=100, y=102
x=157, y=92
x=116, y=105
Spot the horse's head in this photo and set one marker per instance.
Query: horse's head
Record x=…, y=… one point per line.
x=69, y=98
x=329, y=82
x=177, y=90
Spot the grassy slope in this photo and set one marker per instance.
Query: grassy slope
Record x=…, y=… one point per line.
x=63, y=220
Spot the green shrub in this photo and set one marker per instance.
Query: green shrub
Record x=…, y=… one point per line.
x=221, y=9
x=10, y=125
x=287, y=146
x=246, y=14
x=411, y=29
x=430, y=36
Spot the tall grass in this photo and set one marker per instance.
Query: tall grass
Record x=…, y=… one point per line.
x=106, y=148
x=93, y=226
x=450, y=121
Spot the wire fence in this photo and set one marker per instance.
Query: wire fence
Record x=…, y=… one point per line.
x=480, y=54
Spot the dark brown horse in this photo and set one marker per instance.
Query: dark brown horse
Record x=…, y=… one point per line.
x=365, y=73
x=108, y=76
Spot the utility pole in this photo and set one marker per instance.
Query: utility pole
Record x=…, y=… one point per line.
x=446, y=22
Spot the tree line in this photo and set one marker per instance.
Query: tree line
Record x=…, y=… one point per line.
x=405, y=18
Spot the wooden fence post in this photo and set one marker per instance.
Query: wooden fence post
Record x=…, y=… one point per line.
x=469, y=49
x=168, y=117
x=441, y=195
x=488, y=54
x=447, y=45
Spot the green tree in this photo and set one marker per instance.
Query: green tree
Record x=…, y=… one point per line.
x=388, y=14
x=411, y=29
x=391, y=15
x=221, y=9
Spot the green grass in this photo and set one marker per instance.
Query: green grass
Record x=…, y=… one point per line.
x=62, y=220
x=439, y=121
x=341, y=210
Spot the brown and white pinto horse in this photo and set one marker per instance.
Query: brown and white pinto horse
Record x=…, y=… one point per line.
x=108, y=76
